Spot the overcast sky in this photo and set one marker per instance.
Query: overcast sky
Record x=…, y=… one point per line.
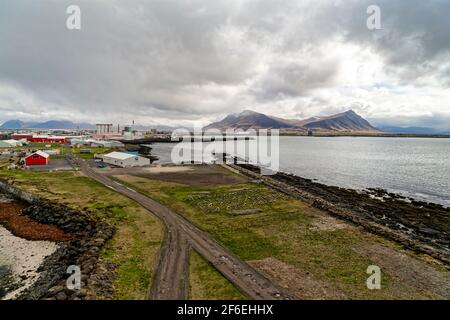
x=193, y=61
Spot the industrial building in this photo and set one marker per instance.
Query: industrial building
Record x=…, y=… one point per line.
x=10, y=143
x=96, y=143
x=124, y=160
x=38, y=158
x=48, y=139
x=40, y=138
x=107, y=144
x=104, y=128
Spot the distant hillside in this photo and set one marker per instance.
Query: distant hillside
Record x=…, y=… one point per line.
x=68, y=125
x=250, y=120
x=13, y=124
x=409, y=130
x=54, y=124
x=347, y=121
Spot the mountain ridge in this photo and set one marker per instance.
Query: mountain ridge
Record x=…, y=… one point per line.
x=67, y=125
x=248, y=119
x=52, y=124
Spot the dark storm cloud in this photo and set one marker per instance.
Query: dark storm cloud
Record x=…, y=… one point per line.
x=190, y=60
x=294, y=79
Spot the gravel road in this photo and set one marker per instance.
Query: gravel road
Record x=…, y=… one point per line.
x=171, y=277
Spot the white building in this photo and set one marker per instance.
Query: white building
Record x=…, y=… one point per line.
x=107, y=144
x=10, y=143
x=97, y=143
x=122, y=159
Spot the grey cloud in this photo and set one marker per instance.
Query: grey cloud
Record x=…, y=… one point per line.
x=438, y=121
x=189, y=60
x=294, y=79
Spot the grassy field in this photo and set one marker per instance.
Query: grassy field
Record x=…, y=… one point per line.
x=89, y=156
x=139, y=234
x=34, y=145
x=206, y=283
x=287, y=235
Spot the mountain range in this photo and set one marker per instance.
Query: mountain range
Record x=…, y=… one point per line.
x=53, y=124
x=342, y=122
x=411, y=130
x=67, y=125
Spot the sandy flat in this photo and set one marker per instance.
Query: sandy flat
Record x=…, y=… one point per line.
x=23, y=257
x=169, y=169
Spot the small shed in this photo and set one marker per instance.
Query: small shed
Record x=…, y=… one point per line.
x=38, y=158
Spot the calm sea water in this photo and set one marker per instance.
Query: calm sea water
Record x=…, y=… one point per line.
x=415, y=167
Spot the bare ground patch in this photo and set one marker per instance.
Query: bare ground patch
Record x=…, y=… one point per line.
x=411, y=272
x=199, y=176
x=302, y=284
x=25, y=227
x=324, y=222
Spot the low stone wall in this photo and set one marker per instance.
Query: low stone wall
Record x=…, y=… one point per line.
x=89, y=235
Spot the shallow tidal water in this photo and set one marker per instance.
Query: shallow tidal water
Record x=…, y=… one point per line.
x=414, y=167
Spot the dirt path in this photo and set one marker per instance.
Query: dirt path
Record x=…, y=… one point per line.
x=171, y=276
x=170, y=280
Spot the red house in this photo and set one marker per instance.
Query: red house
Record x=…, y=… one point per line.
x=38, y=158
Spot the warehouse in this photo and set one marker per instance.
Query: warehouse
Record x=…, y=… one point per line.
x=107, y=144
x=122, y=159
x=48, y=139
x=10, y=143
x=38, y=158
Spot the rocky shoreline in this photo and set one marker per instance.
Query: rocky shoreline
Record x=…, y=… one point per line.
x=88, y=235
x=420, y=226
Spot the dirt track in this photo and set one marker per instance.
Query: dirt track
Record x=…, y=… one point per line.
x=170, y=281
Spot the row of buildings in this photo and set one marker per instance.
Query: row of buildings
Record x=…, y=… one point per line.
x=29, y=137
x=105, y=136
x=118, y=159
x=11, y=143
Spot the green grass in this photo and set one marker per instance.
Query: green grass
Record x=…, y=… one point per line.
x=89, y=156
x=139, y=235
x=206, y=283
x=283, y=230
x=34, y=145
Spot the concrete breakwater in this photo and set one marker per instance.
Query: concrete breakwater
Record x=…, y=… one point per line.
x=87, y=235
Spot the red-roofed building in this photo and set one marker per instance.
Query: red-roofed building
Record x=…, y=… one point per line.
x=38, y=158
x=48, y=139
x=40, y=139
x=19, y=136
